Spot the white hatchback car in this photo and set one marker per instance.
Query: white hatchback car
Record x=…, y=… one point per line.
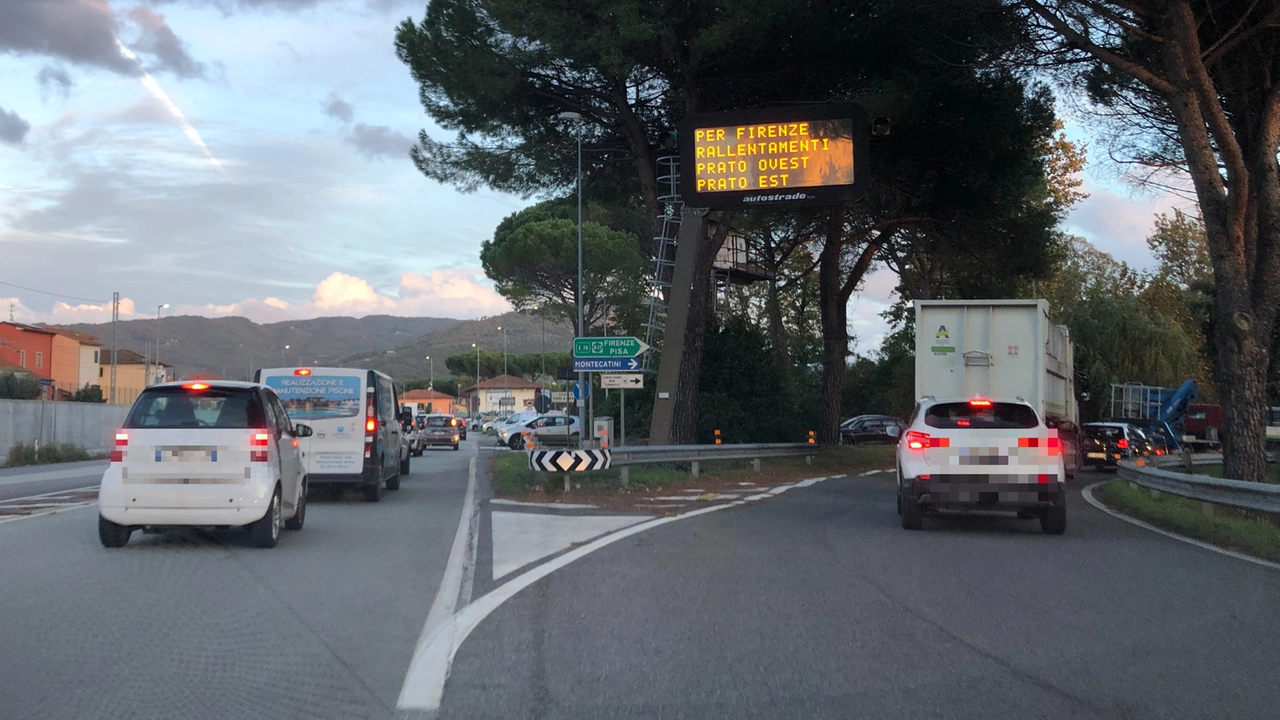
x=203, y=454
x=981, y=454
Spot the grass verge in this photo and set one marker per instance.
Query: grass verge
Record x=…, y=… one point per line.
x=1273, y=471
x=513, y=478
x=22, y=454
x=1225, y=528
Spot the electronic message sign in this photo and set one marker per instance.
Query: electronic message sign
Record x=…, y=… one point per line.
x=804, y=155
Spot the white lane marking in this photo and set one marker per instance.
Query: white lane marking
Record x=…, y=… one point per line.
x=874, y=472
x=423, y=687
x=55, y=511
x=1088, y=496
x=50, y=494
x=66, y=474
x=521, y=538
x=442, y=608
x=553, y=506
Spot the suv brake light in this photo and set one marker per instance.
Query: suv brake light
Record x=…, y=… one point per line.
x=1052, y=445
x=979, y=402
x=1123, y=444
x=917, y=440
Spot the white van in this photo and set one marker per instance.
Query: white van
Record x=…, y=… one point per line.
x=355, y=428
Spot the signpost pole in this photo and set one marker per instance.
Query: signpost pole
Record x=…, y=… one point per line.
x=622, y=436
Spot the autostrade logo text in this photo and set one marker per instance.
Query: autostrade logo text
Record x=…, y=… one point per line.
x=777, y=197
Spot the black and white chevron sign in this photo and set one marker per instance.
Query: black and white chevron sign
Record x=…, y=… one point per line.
x=568, y=460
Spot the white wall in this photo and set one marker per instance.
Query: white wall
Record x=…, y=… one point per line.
x=89, y=425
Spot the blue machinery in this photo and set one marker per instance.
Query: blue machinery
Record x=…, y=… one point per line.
x=1166, y=407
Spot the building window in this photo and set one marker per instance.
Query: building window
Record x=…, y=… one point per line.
x=22, y=358
x=95, y=362
x=39, y=359
x=99, y=372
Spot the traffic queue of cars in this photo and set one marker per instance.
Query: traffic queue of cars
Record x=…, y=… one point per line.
x=246, y=454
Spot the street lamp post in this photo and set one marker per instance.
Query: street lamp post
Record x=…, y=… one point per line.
x=286, y=347
x=577, y=118
x=506, y=392
x=158, y=309
x=431, y=384
x=477, y=347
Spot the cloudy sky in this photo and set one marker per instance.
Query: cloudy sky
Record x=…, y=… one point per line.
x=250, y=157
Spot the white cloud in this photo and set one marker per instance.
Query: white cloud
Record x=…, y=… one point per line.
x=458, y=293
x=1118, y=224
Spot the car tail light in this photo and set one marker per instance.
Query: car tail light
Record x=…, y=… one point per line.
x=302, y=371
x=1052, y=445
x=917, y=440
x=196, y=386
x=260, y=439
x=980, y=402
x=1123, y=444
x=370, y=425
x=122, y=440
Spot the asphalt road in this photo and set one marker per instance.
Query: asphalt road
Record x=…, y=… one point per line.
x=202, y=625
x=41, y=479
x=817, y=604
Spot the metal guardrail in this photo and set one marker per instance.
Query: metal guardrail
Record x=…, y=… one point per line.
x=1261, y=497
x=624, y=457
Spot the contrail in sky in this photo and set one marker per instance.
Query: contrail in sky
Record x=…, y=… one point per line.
x=154, y=88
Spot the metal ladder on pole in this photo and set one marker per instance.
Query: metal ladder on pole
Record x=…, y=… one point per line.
x=664, y=254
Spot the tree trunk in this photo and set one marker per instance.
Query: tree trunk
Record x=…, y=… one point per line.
x=684, y=420
x=778, y=338
x=835, y=330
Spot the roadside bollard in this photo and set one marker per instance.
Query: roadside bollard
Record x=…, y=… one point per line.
x=717, y=436
x=604, y=438
x=812, y=439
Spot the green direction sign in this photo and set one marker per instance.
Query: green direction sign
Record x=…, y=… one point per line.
x=608, y=347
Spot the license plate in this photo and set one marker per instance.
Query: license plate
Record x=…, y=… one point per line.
x=1096, y=456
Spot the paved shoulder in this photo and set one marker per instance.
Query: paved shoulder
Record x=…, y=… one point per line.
x=817, y=604
x=40, y=479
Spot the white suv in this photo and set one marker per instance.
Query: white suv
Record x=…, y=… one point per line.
x=205, y=454
x=980, y=454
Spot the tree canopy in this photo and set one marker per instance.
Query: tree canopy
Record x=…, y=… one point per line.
x=533, y=260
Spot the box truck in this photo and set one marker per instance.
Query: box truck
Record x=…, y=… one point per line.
x=1003, y=350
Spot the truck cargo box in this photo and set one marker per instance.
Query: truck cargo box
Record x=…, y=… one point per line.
x=1000, y=349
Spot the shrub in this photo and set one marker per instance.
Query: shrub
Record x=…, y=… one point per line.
x=28, y=454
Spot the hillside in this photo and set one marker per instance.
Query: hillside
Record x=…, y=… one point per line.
x=229, y=346
x=524, y=335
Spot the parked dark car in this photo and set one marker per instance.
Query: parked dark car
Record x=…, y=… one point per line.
x=871, y=429
x=1106, y=443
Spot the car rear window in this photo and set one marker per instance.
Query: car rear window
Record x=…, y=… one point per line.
x=996, y=416
x=170, y=408
x=1102, y=433
x=438, y=421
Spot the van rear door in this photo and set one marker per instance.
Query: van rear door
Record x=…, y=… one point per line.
x=331, y=401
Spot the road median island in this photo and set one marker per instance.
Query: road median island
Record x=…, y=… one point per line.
x=1251, y=533
x=512, y=478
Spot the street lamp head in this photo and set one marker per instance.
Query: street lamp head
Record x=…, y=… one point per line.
x=164, y=306
x=286, y=347
x=570, y=116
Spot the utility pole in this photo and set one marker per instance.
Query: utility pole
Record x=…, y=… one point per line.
x=158, y=370
x=115, y=315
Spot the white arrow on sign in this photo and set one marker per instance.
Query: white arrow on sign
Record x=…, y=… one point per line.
x=622, y=381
